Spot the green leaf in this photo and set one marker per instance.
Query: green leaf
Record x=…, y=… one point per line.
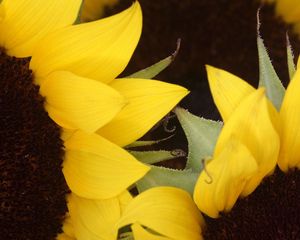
x=155, y=69
x=268, y=77
x=148, y=143
x=290, y=58
x=202, y=136
x=161, y=176
x=151, y=157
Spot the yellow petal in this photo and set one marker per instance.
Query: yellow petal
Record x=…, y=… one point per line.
x=28, y=21
x=94, y=219
x=98, y=50
x=149, y=101
x=79, y=103
x=141, y=233
x=166, y=210
x=227, y=89
x=252, y=125
x=289, y=156
x=95, y=168
x=289, y=10
x=223, y=179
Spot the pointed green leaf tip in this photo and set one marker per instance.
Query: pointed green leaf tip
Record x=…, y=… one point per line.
x=268, y=78
x=148, y=143
x=161, y=176
x=202, y=136
x=290, y=58
x=151, y=157
x=156, y=68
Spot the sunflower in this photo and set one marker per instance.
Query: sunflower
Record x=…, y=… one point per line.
x=65, y=117
x=254, y=139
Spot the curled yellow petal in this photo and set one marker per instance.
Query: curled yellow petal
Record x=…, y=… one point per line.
x=223, y=179
x=227, y=89
x=98, y=169
x=148, y=102
x=289, y=156
x=74, y=102
x=99, y=50
x=251, y=123
x=168, y=211
x=28, y=21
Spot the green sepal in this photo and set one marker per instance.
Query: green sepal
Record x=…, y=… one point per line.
x=290, y=58
x=147, y=143
x=151, y=157
x=126, y=236
x=161, y=176
x=268, y=77
x=155, y=69
x=202, y=135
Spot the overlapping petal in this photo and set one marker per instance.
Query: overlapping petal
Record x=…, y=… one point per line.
x=79, y=103
x=149, y=101
x=94, y=219
x=252, y=125
x=227, y=89
x=290, y=126
x=168, y=211
x=223, y=179
x=99, y=50
x=98, y=169
x=28, y=21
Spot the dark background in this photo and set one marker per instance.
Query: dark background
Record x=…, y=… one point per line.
x=221, y=33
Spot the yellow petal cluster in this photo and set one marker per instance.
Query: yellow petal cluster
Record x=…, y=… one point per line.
x=76, y=68
x=241, y=157
x=158, y=213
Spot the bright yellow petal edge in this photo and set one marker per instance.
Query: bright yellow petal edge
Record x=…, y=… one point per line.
x=290, y=126
x=158, y=213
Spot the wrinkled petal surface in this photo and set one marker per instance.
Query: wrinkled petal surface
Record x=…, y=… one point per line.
x=251, y=124
x=28, y=21
x=149, y=101
x=223, y=179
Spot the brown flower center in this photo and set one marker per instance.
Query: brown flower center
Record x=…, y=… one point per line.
x=32, y=186
x=272, y=211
